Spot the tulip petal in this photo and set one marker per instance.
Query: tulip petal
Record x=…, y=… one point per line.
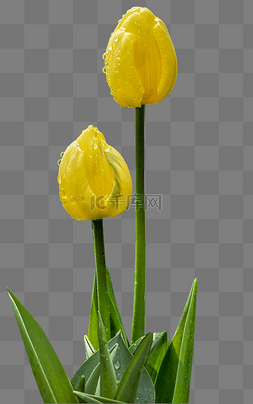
x=122, y=77
x=168, y=60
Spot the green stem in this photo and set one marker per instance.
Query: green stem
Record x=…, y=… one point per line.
x=138, y=325
x=99, y=252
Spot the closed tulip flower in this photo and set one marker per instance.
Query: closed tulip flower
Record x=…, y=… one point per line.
x=94, y=180
x=140, y=59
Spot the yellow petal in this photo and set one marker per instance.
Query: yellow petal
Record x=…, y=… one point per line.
x=168, y=60
x=122, y=77
x=88, y=178
x=140, y=59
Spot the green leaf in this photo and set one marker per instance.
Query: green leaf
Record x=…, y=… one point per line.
x=128, y=387
x=159, y=347
x=133, y=347
x=93, y=320
x=116, y=322
x=121, y=360
x=97, y=399
x=115, y=319
x=157, y=352
x=51, y=378
x=108, y=384
x=92, y=383
x=81, y=385
x=173, y=381
x=89, y=348
x=86, y=398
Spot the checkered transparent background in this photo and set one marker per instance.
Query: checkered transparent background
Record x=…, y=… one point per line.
x=199, y=157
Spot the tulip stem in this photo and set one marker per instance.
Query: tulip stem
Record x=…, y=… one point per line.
x=138, y=325
x=99, y=252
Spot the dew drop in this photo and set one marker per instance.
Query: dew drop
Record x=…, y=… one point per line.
x=72, y=199
x=62, y=153
x=78, y=217
x=59, y=162
x=82, y=197
x=95, y=145
x=62, y=192
x=117, y=365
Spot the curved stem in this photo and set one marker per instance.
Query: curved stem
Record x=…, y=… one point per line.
x=138, y=325
x=99, y=252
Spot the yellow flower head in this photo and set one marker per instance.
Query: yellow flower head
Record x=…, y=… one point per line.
x=140, y=59
x=94, y=180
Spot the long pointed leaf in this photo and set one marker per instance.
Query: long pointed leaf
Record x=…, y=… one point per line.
x=93, y=320
x=81, y=385
x=51, y=378
x=129, y=384
x=92, y=383
x=157, y=353
x=89, y=348
x=173, y=381
x=98, y=399
x=108, y=383
x=115, y=319
x=86, y=398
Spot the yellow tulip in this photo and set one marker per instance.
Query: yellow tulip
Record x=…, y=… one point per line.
x=140, y=59
x=94, y=180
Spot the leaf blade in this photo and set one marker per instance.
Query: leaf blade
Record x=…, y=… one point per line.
x=108, y=383
x=174, y=367
x=97, y=398
x=116, y=323
x=128, y=387
x=159, y=347
x=51, y=378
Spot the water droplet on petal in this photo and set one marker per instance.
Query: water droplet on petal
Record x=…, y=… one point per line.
x=82, y=197
x=72, y=199
x=62, y=192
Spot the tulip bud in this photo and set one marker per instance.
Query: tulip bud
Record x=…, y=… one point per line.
x=140, y=59
x=94, y=180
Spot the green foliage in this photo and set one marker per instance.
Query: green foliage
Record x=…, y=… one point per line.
x=88, y=398
x=175, y=370
x=89, y=348
x=108, y=384
x=121, y=358
x=157, y=352
x=52, y=381
x=128, y=387
x=115, y=318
